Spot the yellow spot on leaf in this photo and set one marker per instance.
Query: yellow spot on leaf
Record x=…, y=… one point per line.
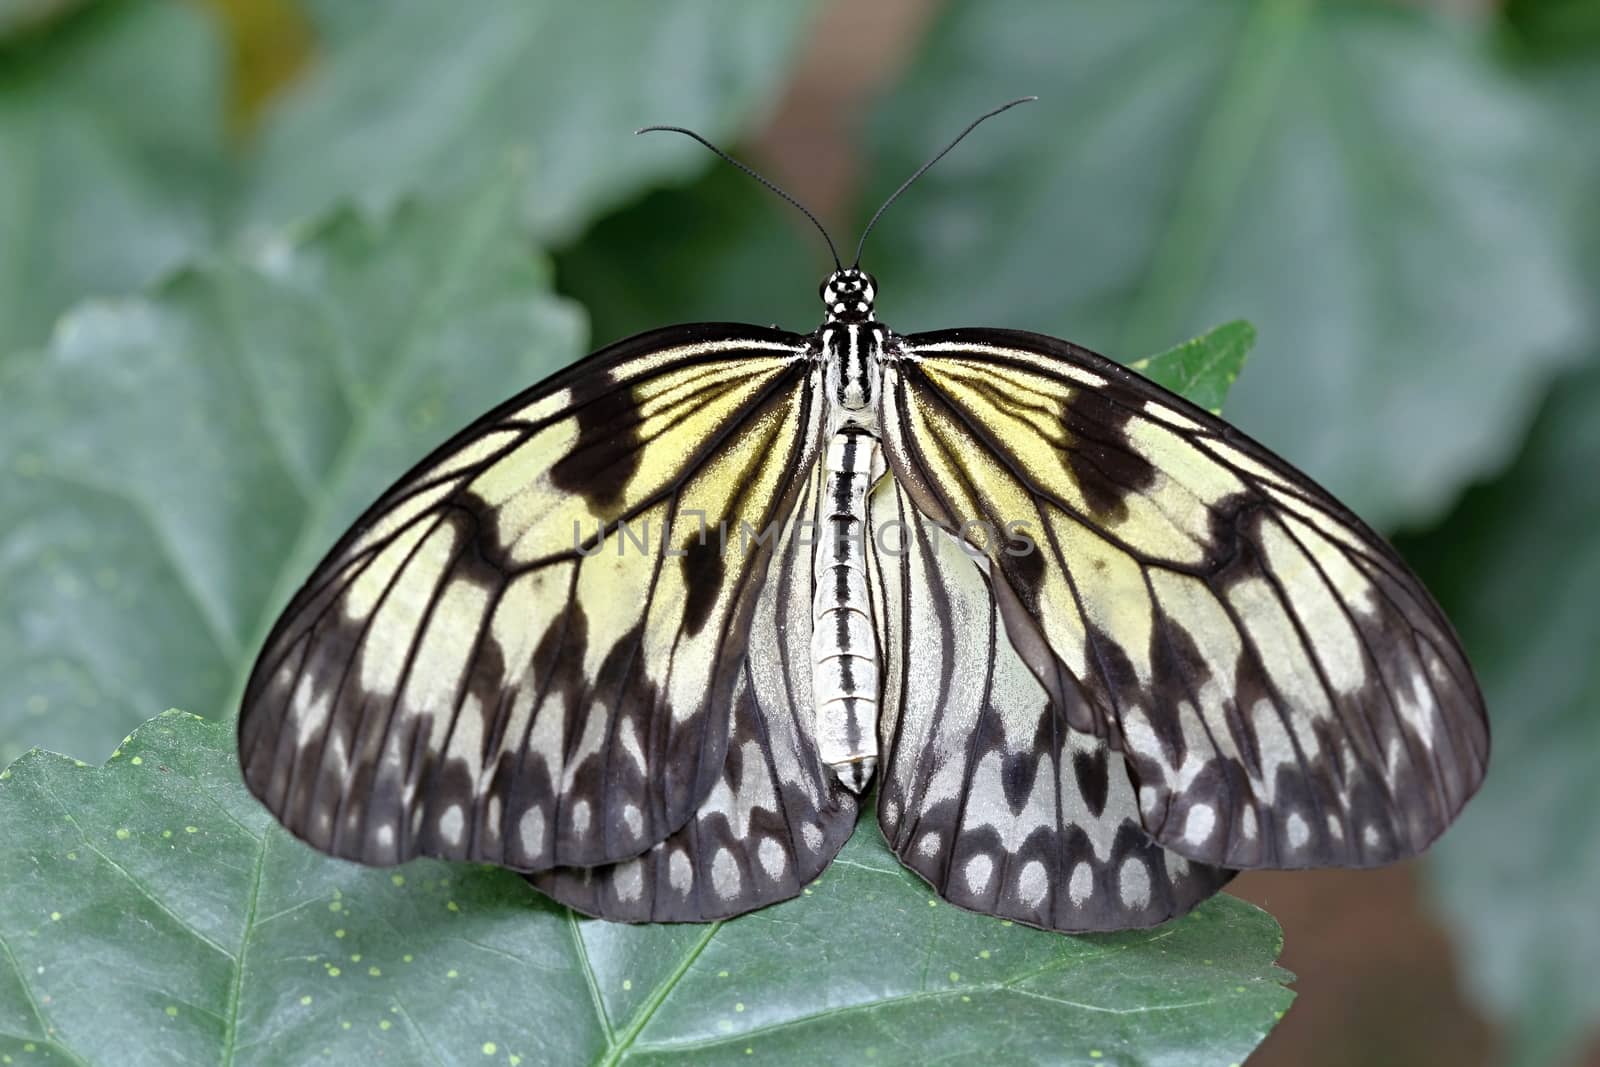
x=338, y=933
x=407, y=958
x=122, y=834
x=489, y=1048
x=384, y=1024
x=398, y=879
x=336, y=906
x=627, y=984
x=738, y=1007
x=983, y=954
x=172, y=1010
x=334, y=972
x=954, y=977
x=452, y=973
x=138, y=761
x=191, y=829
x=453, y=906
x=374, y=972
x=55, y=916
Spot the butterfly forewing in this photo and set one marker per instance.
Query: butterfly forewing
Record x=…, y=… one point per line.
x=1285, y=692
x=776, y=816
x=525, y=652
x=987, y=792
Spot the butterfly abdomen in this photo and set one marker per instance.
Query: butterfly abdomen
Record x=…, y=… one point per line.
x=844, y=652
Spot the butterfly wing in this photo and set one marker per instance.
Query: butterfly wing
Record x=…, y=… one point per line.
x=776, y=817
x=524, y=653
x=1284, y=690
x=986, y=792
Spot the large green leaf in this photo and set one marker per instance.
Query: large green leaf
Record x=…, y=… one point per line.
x=1393, y=210
x=1518, y=568
x=111, y=146
x=421, y=95
x=152, y=912
x=174, y=465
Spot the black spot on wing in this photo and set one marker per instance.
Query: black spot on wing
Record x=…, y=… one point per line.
x=1091, y=769
x=704, y=570
x=1100, y=457
x=608, y=450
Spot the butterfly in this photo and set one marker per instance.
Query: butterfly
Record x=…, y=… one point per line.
x=651, y=632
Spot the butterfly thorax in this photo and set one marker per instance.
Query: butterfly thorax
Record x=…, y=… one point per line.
x=851, y=345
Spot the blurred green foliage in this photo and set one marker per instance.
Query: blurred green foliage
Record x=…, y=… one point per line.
x=1403, y=202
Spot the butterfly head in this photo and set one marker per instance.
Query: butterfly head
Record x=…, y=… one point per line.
x=847, y=294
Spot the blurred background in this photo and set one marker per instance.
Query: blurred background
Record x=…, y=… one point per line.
x=1401, y=196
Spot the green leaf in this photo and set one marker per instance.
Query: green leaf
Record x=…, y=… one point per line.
x=1395, y=212
x=174, y=465
x=420, y=98
x=1517, y=567
x=111, y=147
x=1204, y=368
x=151, y=904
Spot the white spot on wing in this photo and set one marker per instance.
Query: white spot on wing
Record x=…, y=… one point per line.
x=629, y=880
x=1247, y=823
x=1134, y=883
x=1198, y=826
x=530, y=832
x=1032, y=883
x=1080, y=887
x=725, y=878
x=451, y=823
x=680, y=872
x=978, y=870
x=773, y=858
x=1299, y=832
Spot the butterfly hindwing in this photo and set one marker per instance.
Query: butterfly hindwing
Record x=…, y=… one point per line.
x=776, y=817
x=987, y=792
x=500, y=662
x=1285, y=692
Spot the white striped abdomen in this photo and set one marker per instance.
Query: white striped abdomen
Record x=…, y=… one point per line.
x=844, y=650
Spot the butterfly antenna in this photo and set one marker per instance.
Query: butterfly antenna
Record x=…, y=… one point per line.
x=924, y=168
x=751, y=171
